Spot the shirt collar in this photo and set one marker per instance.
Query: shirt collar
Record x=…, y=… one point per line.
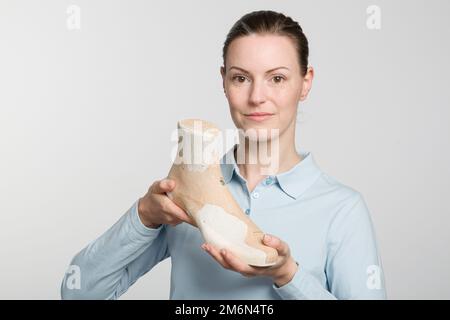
x=293, y=182
x=228, y=165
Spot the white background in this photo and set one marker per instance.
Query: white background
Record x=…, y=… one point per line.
x=86, y=118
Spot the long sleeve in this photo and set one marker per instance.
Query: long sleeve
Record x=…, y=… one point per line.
x=108, y=266
x=353, y=268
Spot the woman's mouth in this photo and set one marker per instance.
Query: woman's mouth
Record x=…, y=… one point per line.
x=258, y=116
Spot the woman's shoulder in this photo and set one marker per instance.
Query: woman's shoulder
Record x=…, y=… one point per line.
x=348, y=203
x=336, y=190
x=325, y=186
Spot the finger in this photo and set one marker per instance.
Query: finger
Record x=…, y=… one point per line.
x=216, y=255
x=238, y=265
x=162, y=186
x=276, y=243
x=178, y=213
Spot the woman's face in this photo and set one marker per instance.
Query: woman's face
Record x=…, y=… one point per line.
x=263, y=83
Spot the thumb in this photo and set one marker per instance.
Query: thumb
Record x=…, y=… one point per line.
x=276, y=243
x=162, y=186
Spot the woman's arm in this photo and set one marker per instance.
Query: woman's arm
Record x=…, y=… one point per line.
x=108, y=266
x=353, y=265
x=354, y=268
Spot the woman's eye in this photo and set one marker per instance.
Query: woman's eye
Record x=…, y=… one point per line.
x=275, y=79
x=278, y=79
x=240, y=79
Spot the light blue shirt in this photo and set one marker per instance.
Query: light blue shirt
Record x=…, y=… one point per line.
x=326, y=224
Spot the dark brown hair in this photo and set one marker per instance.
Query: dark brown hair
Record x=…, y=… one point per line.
x=270, y=22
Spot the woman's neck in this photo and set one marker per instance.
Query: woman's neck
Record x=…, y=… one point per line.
x=258, y=159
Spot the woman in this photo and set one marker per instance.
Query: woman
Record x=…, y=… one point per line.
x=320, y=227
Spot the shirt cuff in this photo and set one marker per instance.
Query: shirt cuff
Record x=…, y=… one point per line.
x=139, y=226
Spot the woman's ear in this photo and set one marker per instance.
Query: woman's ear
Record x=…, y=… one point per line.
x=307, y=83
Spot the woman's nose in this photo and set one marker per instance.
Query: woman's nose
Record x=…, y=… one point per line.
x=257, y=93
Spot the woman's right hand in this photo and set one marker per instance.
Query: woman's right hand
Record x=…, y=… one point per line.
x=156, y=208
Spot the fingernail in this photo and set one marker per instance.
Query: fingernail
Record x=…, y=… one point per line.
x=267, y=238
x=223, y=251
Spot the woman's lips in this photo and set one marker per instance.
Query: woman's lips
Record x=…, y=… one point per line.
x=258, y=116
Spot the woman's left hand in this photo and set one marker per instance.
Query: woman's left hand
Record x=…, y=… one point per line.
x=281, y=273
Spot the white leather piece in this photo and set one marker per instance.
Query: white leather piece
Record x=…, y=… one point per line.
x=223, y=230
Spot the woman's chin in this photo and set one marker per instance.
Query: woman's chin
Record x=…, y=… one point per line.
x=259, y=134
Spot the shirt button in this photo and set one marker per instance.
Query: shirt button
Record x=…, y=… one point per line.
x=255, y=195
x=247, y=211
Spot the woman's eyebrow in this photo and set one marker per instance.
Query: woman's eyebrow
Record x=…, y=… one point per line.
x=268, y=71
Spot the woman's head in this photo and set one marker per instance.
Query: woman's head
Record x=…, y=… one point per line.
x=265, y=71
